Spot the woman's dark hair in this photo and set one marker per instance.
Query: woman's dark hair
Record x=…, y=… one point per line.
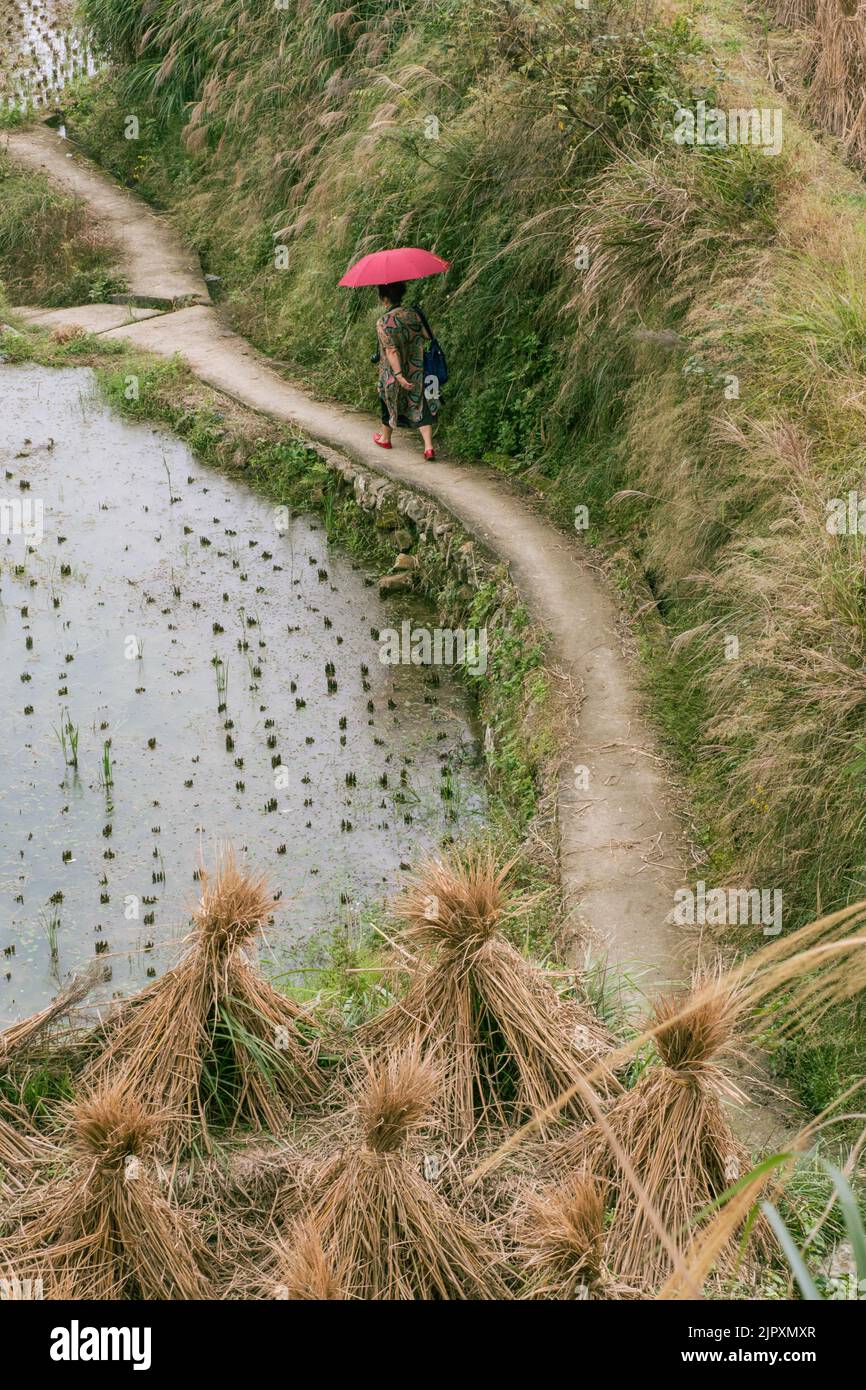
x=393, y=292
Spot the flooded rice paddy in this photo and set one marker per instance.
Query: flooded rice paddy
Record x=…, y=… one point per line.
x=179, y=667
x=40, y=51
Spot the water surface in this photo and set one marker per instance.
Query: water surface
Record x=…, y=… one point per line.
x=332, y=771
x=41, y=49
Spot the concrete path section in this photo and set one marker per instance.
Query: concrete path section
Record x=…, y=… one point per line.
x=158, y=268
x=93, y=318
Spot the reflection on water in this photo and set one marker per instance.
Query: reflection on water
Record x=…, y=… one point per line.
x=40, y=51
x=158, y=593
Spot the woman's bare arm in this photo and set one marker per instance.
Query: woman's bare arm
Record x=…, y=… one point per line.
x=394, y=363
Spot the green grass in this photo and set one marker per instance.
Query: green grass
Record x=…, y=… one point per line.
x=50, y=252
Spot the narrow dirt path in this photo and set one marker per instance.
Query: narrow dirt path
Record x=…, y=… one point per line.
x=157, y=266
x=621, y=848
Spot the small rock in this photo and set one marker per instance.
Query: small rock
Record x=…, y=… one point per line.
x=395, y=583
x=405, y=562
x=415, y=509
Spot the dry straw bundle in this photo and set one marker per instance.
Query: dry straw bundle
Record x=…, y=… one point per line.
x=303, y=1270
x=796, y=14
x=23, y=1151
x=386, y=1232
x=509, y=1043
x=836, y=67
x=105, y=1229
x=667, y=1145
x=561, y=1241
x=19, y=1037
x=211, y=1037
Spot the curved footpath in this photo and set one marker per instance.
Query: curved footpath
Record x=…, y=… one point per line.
x=622, y=853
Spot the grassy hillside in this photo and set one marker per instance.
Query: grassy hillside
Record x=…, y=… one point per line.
x=671, y=336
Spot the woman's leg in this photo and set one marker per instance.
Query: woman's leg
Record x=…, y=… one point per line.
x=385, y=433
x=427, y=436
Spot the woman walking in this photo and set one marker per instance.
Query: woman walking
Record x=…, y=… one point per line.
x=402, y=333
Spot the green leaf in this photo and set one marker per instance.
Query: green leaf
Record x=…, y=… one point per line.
x=851, y=1213
x=791, y=1253
x=767, y=1164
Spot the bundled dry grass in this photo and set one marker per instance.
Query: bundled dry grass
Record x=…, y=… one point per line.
x=561, y=1248
x=303, y=1271
x=23, y=1151
x=836, y=65
x=667, y=1145
x=104, y=1229
x=386, y=1230
x=211, y=1036
x=714, y=1240
x=795, y=14
x=508, y=1043
x=18, y=1037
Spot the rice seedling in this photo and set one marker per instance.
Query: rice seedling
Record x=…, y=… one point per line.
x=667, y=1144
x=510, y=1043
x=104, y=1229
x=389, y=1232
x=67, y=735
x=171, y=495
x=211, y=1042
x=106, y=771
x=50, y=920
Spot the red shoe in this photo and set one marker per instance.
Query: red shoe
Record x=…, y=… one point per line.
x=429, y=455
x=383, y=443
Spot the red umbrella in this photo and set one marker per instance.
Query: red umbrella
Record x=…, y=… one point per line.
x=389, y=267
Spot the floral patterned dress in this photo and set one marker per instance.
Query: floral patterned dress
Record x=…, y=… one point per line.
x=400, y=328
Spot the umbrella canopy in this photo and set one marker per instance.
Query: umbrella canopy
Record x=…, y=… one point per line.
x=389, y=267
